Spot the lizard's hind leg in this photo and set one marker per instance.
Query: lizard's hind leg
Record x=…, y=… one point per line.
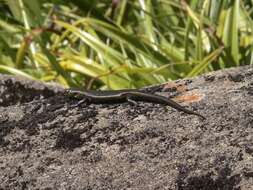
x=131, y=100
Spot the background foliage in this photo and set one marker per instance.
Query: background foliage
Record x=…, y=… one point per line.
x=114, y=44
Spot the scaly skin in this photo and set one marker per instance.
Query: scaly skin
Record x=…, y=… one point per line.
x=119, y=96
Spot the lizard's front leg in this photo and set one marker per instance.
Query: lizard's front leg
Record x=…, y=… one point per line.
x=78, y=96
x=80, y=102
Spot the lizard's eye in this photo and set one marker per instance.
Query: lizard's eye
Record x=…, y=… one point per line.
x=69, y=92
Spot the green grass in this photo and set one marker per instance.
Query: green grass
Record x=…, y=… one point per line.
x=124, y=44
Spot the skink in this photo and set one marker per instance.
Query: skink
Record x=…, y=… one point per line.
x=119, y=96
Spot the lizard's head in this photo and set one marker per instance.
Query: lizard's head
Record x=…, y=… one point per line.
x=73, y=93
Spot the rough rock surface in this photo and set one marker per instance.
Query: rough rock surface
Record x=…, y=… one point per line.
x=46, y=144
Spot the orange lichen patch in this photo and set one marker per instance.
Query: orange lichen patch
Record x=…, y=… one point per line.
x=178, y=87
x=181, y=88
x=170, y=85
x=189, y=98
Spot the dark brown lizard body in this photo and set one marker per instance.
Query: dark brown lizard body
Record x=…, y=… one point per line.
x=119, y=96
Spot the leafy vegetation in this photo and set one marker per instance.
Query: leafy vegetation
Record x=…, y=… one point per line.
x=114, y=44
